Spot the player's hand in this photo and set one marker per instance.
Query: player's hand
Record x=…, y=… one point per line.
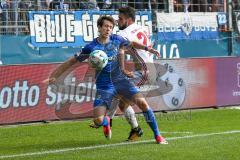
x=49, y=80
x=153, y=51
x=129, y=74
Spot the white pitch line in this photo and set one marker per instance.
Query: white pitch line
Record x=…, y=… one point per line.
x=112, y=145
x=184, y=132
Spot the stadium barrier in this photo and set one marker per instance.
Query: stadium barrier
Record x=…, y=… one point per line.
x=173, y=38
x=180, y=84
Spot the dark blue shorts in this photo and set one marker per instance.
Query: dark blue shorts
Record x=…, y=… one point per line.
x=106, y=92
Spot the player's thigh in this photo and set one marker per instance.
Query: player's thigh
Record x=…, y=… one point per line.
x=104, y=97
x=132, y=94
x=126, y=89
x=124, y=103
x=140, y=101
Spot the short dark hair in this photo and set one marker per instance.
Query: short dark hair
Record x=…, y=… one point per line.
x=102, y=18
x=129, y=12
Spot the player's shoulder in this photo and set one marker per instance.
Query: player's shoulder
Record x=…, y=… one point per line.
x=133, y=26
x=116, y=37
x=88, y=48
x=130, y=30
x=91, y=44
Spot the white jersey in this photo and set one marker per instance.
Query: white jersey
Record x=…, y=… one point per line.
x=141, y=35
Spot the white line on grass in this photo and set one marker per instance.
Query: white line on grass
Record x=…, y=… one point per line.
x=184, y=132
x=111, y=145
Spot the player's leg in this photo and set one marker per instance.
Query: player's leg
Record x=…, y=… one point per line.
x=129, y=91
x=126, y=89
x=125, y=108
x=98, y=115
x=102, y=101
x=113, y=109
x=101, y=120
x=130, y=116
x=140, y=101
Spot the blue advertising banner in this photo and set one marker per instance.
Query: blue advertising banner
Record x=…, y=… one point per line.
x=73, y=28
x=18, y=50
x=193, y=48
x=187, y=26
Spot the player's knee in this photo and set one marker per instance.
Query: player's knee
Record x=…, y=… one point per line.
x=122, y=106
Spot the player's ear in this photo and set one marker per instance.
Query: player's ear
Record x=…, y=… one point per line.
x=129, y=21
x=99, y=27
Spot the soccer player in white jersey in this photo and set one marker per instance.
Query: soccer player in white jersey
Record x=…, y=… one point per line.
x=133, y=32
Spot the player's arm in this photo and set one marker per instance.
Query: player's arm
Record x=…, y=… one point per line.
x=126, y=43
x=71, y=63
x=121, y=58
x=146, y=48
x=61, y=69
x=122, y=64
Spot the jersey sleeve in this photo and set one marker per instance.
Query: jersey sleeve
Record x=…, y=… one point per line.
x=123, y=41
x=123, y=33
x=84, y=54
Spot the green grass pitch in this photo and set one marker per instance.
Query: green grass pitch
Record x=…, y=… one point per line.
x=210, y=134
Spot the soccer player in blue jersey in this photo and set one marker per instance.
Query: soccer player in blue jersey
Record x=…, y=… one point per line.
x=111, y=81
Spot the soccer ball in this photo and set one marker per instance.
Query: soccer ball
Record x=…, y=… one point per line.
x=98, y=59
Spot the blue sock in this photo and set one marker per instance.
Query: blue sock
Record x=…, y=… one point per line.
x=105, y=121
x=150, y=119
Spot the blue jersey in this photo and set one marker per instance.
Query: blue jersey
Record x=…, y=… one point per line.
x=112, y=69
x=110, y=81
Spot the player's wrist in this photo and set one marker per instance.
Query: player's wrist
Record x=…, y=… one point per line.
x=146, y=48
